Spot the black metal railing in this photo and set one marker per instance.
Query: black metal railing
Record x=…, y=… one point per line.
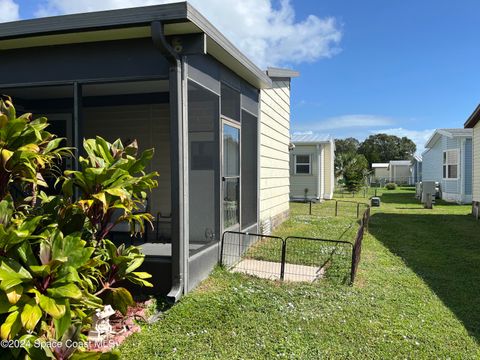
x=294, y=258
x=344, y=208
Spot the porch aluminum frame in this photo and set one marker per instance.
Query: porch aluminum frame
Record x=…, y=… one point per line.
x=61, y=46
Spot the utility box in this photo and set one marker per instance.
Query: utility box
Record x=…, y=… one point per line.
x=375, y=201
x=418, y=190
x=428, y=193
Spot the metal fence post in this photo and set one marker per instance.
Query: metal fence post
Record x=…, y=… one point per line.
x=310, y=211
x=358, y=210
x=239, y=245
x=282, y=265
x=352, y=269
x=336, y=208
x=221, y=249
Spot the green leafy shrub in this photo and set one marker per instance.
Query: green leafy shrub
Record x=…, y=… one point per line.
x=390, y=186
x=56, y=264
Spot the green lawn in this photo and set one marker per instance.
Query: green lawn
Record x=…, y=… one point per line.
x=417, y=296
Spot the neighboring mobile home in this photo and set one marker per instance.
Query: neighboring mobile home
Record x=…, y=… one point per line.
x=165, y=76
x=416, y=170
x=399, y=172
x=473, y=123
x=448, y=161
x=380, y=172
x=312, y=169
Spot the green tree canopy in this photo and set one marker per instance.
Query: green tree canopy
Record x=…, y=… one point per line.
x=383, y=148
x=348, y=145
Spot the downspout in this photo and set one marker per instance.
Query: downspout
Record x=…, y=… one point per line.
x=176, y=160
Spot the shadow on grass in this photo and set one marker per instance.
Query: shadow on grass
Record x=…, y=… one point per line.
x=399, y=198
x=444, y=250
x=408, y=198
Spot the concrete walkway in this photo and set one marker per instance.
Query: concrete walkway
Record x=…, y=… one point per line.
x=271, y=270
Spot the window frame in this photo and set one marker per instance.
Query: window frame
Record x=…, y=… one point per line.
x=302, y=164
x=446, y=164
x=225, y=121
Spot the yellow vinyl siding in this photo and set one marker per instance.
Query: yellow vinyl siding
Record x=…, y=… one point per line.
x=274, y=154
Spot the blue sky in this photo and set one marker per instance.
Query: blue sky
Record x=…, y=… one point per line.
x=411, y=65
x=402, y=67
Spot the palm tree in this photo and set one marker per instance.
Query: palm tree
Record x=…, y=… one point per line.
x=352, y=168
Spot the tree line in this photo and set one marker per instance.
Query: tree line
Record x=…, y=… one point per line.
x=354, y=159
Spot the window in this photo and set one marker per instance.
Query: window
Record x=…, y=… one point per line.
x=204, y=161
x=450, y=164
x=302, y=164
x=231, y=176
x=230, y=102
x=249, y=170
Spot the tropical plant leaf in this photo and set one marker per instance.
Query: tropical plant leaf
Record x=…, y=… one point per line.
x=14, y=294
x=65, y=291
x=120, y=299
x=62, y=324
x=11, y=326
x=56, y=308
x=31, y=315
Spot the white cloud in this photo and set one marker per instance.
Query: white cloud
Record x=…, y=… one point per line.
x=361, y=126
x=352, y=122
x=269, y=35
x=419, y=137
x=9, y=11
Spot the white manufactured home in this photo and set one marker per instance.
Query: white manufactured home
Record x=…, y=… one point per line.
x=381, y=172
x=395, y=171
x=448, y=161
x=399, y=172
x=312, y=169
x=416, y=169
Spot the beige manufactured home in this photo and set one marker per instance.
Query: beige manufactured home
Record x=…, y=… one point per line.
x=274, y=149
x=400, y=171
x=312, y=167
x=473, y=122
x=381, y=172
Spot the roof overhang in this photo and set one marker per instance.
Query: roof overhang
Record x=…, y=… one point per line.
x=279, y=73
x=433, y=139
x=309, y=143
x=445, y=132
x=179, y=19
x=380, y=165
x=473, y=119
x=400, y=163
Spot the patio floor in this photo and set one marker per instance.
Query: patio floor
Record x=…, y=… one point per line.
x=271, y=270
